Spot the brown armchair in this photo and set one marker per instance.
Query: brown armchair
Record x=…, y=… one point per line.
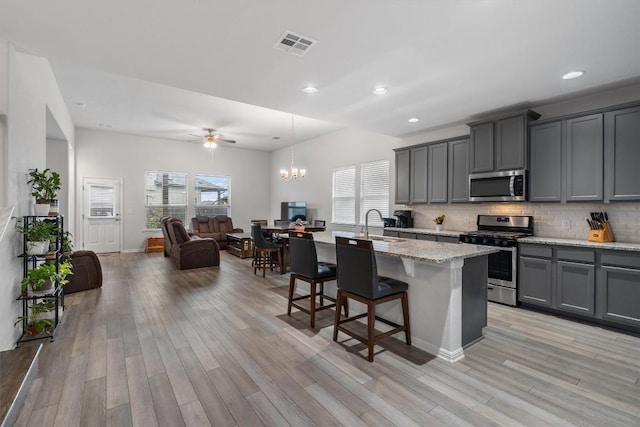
x=87, y=272
x=191, y=253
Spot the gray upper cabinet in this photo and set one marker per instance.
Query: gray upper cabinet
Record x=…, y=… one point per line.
x=500, y=144
x=622, y=153
x=481, y=148
x=403, y=176
x=584, y=158
x=510, y=143
x=545, y=162
x=437, y=173
x=459, y=171
x=419, y=176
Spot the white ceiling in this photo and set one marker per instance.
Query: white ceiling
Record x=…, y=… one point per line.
x=169, y=68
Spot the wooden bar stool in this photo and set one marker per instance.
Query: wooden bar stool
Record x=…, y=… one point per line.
x=306, y=267
x=358, y=279
x=264, y=252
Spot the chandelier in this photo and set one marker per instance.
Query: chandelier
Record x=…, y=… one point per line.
x=293, y=173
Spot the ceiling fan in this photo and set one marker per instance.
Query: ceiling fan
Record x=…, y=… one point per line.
x=211, y=139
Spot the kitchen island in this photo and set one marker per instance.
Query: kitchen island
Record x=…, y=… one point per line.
x=447, y=288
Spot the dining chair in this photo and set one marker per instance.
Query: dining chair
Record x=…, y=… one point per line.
x=358, y=279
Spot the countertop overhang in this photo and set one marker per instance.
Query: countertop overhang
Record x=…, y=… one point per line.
x=419, y=250
x=616, y=246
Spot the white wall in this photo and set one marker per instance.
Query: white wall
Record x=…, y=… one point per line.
x=31, y=89
x=102, y=154
x=58, y=160
x=320, y=156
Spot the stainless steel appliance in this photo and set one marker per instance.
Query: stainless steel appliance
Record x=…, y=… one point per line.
x=405, y=220
x=502, y=231
x=503, y=186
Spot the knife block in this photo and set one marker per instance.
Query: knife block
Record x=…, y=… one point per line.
x=604, y=235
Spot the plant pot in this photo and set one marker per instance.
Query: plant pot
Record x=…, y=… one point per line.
x=37, y=248
x=438, y=227
x=41, y=209
x=54, y=207
x=45, y=289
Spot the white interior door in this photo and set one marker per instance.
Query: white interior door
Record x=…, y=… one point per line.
x=101, y=215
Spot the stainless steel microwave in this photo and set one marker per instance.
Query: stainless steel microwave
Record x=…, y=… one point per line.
x=503, y=186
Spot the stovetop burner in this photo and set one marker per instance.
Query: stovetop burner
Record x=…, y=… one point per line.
x=499, y=230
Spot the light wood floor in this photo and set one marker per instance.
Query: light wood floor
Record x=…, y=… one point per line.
x=157, y=346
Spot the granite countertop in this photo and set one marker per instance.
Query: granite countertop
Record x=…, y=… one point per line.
x=618, y=246
x=451, y=233
x=420, y=250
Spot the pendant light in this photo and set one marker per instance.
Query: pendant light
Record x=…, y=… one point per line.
x=293, y=173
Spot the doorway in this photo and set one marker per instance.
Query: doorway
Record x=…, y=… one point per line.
x=102, y=227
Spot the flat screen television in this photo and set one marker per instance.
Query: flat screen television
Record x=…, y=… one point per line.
x=293, y=210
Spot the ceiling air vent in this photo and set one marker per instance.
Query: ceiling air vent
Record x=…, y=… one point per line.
x=294, y=44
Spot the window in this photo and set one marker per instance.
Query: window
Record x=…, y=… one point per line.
x=212, y=195
x=344, y=195
x=102, y=202
x=374, y=191
x=165, y=195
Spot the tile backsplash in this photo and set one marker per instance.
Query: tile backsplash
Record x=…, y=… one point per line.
x=548, y=217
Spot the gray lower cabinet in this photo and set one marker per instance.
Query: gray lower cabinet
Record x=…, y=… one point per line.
x=419, y=174
x=403, y=176
x=448, y=239
x=458, y=171
x=535, y=281
x=437, y=173
x=584, y=165
x=595, y=284
x=406, y=235
x=545, y=162
x=618, y=288
x=621, y=155
x=390, y=233
x=430, y=237
x=575, y=287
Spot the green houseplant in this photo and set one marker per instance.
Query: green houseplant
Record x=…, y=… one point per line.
x=42, y=279
x=44, y=187
x=41, y=318
x=38, y=234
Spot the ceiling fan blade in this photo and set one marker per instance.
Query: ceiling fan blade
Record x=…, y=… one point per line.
x=226, y=140
x=197, y=136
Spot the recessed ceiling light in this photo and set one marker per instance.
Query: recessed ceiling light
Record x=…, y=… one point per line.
x=380, y=90
x=414, y=120
x=80, y=104
x=310, y=89
x=572, y=75
x=276, y=137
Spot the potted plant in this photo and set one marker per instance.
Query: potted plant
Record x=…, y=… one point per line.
x=43, y=279
x=38, y=234
x=44, y=187
x=42, y=318
x=439, y=220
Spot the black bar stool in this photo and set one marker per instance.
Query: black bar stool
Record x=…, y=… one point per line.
x=264, y=251
x=358, y=279
x=305, y=267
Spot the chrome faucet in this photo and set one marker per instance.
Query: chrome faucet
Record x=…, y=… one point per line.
x=366, y=221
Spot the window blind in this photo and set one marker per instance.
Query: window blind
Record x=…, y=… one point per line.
x=374, y=191
x=344, y=195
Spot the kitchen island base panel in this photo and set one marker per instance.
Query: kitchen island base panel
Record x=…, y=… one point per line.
x=447, y=301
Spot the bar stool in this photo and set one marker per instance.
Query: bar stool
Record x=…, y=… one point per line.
x=305, y=267
x=358, y=279
x=264, y=251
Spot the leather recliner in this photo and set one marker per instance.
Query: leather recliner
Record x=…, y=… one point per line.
x=191, y=253
x=215, y=228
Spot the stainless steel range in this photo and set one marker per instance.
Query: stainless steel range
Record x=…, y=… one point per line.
x=502, y=231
